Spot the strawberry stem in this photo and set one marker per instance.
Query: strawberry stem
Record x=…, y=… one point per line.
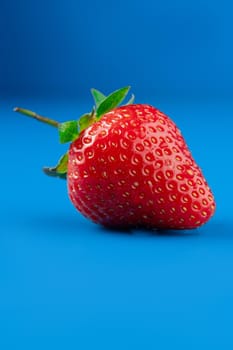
x=36, y=116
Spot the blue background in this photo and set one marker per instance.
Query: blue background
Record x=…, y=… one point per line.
x=66, y=283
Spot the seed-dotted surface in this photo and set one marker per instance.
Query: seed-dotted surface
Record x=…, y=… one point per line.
x=132, y=168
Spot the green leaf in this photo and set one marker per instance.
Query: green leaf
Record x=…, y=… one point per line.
x=131, y=100
x=98, y=97
x=85, y=120
x=112, y=101
x=60, y=169
x=68, y=131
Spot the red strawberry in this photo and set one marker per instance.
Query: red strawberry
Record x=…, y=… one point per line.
x=131, y=167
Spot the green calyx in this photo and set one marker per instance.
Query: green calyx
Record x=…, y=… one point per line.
x=70, y=130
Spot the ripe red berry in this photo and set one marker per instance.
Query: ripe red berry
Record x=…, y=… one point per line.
x=133, y=168
x=130, y=167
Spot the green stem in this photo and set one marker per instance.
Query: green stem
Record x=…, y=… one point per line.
x=36, y=116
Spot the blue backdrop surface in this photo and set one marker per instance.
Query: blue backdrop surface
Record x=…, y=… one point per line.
x=159, y=47
x=66, y=283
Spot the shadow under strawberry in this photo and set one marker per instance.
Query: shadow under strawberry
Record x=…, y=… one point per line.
x=148, y=232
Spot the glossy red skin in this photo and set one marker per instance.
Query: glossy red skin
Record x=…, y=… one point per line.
x=133, y=168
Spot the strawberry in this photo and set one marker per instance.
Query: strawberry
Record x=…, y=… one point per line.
x=129, y=166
